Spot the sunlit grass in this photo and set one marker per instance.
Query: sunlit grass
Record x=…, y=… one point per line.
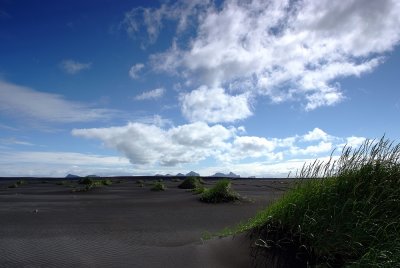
x=341, y=213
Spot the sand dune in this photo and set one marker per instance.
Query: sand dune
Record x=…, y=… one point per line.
x=123, y=225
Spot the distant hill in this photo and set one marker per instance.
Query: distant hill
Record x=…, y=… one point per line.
x=92, y=176
x=72, y=176
x=193, y=174
x=180, y=175
x=222, y=175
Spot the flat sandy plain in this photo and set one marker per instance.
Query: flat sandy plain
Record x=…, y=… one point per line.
x=44, y=224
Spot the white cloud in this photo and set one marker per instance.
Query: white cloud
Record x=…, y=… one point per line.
x=14, y=141
x=152, y=18
x=152, y=94
x=281, y=49
x=214, y=105
x=312, y=150
x=25, y=102
x=354, y=142
x=74, y=67
x=59, y=164
x=192, y=143
x=150, y=144
x=135, y=69
x=315, y=135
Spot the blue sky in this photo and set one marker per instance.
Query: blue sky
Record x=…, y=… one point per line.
x=139, y=88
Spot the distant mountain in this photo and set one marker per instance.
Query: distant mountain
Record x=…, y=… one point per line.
x=193, y=174
x=180, y=175
x=72, y=176
x=222, y=175
x=92, y=176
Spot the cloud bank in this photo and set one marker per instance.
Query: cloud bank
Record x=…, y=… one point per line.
x=194, y=142
x=284, y=50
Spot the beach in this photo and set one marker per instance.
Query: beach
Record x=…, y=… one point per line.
x=45, y=224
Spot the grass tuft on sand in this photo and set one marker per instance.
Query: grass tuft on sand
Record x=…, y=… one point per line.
x=221, y=192
x=343, y=212
x=191, y=183
x=90, y=184
x=158, y=186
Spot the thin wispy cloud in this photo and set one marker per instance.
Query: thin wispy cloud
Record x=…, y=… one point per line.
x=26, y=103
x=135, y=70
x=4, y=15
x=14, y=141
x=151, y=95
x=74, y=67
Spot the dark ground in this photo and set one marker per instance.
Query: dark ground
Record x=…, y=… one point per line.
x=43, y=224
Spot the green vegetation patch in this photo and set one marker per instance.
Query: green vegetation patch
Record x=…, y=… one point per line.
x=221, y=192
x=343, y=212
x=90, y=183
x=158, y=186
x=191, y=183
x=17, y=183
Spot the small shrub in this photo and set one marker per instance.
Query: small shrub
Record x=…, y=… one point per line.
x=199, y=189
x=140, y=182
x=15, y=185
x=158, y=186
x=86, y=181
x=106, y=182
x=191, y=183
x=91, y=184
x=221, y=192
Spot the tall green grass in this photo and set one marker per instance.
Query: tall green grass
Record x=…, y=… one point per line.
x=344, y=212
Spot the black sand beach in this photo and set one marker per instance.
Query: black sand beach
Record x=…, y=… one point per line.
x=43, y=224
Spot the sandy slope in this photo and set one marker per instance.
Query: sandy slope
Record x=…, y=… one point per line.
x=123, y=225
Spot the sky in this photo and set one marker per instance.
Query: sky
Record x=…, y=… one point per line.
x=253, y=87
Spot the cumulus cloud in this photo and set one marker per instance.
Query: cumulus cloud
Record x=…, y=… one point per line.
x=315, y=135
x=152, y=94
x=285, y=50
x=135, y=69
x=150, y=144
x=214, y=105
x=194, y=142
x=25, y=102
x=74, y=67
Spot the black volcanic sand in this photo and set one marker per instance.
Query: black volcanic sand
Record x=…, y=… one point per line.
x=44, y=224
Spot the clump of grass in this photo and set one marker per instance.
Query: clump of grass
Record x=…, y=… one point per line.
x=14, y=185
x=191, y=183
x=199, y=189
x=90, y=183
x=17, y=183
x=343, y=212
x=221, y=192
x=63, y=183
x=158, y=186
